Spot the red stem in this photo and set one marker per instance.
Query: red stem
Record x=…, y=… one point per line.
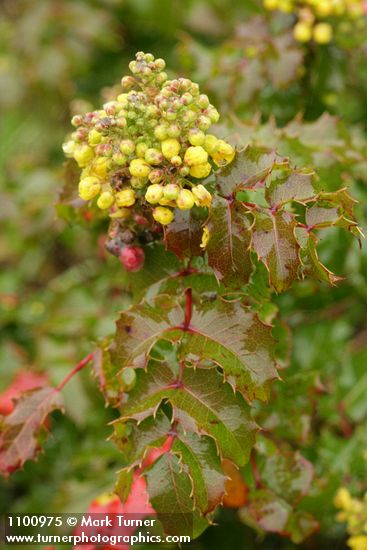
x=255, y=471
x=83, y=363
x=188, y=310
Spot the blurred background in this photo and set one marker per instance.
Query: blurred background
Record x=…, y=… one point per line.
x=60, y=293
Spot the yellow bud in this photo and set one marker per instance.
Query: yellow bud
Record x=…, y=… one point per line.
x=322, y=33
x=125, y=197
x=185, y=200
x=141, y=149
x=89, y=188
x=202, y=196
x=153, y=156
x=139, y=168
x=83, y=154
x=343, y=499
x=101, y=166
x=195, y=155
x=176, y=160
x=163, y=215
x=170, y=147
x=358, y=542
x=122, y=98
x=105, y=200
x=210, y=143
x=205, y=238
x=302, y=32
x=196, y=137
x=200, y=170
x=94, y=137
x=171, y=191
x=271, y=4
x=121, y=213
x=154, y=193
x=68, y=148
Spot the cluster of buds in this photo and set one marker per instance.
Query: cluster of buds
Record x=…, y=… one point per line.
x=354, y=513
x=145, y=152
x=311, y=16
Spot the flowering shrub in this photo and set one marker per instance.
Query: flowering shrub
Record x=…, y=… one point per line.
x=354, y=513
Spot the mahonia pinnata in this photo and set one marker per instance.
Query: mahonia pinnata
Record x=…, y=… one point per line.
x=354, y=513
x=149, y=146
x=311, y=15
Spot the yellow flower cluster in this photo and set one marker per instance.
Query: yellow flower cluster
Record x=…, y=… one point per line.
x=149, y=146
x=311, y=15
x=354, y=513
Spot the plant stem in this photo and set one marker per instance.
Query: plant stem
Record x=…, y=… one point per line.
x=83, y=363
x=188, y=309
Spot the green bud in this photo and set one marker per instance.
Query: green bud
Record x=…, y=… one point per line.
x=128, y=378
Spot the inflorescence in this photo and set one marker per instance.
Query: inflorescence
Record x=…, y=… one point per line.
x=149, y=147
x=312, y=15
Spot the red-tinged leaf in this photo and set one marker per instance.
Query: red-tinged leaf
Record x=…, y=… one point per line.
x=318, y=217
x=169, y=488
x=269, y=513
x=198, y=456
x=314, y=267
x=20, y=431
x=23, y=381
x=228, y=248
x=106, y=373
x=201, y=403
x=226, y=334
x=276, y=246
x=183, y=236
x=248, y=168
x=294, y=186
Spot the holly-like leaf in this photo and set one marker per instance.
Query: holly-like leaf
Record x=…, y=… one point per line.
x=201, y=403
x=294, y=186
x=267, y=512
x=228, y=248
x=227, y=334
x=20, y=431
x=276, y=246
x=169, y=489
x=249, y=167
x=183, y=235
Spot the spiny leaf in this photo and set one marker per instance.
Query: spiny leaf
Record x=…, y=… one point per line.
x=183, y=235
x=294, y=186
x=169, y=489
x=21, y=430
x=106, y=374
x=276, y=246
x=227, y=334
x=228, y=248
x=249, y=167
x=201, y=403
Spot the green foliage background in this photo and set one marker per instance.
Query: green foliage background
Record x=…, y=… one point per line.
x=60, y=293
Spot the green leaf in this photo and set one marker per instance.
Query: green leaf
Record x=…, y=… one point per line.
x=106, y=373
x=22, y=429
x=227, y=334
x=276, y=246
x=249, y=167
x=169, y=489
x=123, y=484
x=228, y=248
x=201, y=403
x=294, y=186
x=183, y=235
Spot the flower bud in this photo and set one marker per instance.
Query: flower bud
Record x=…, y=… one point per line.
x=156, y=176
x=205, y=237
x=202, y=196
x=302, y=32
x=185, y=200
x=200, y=170
x=184, y=171
x=141, y=149
x=68, y=147
x=196, y=137
x=105, y=200
x=154, y=193
x=170, y=147
x=160, y=132
x=210, y=143
x=94, y=137
x=153, y=156
x=125, y=197
x=127, y=147
x=83, y=155
x=132, y=258
x=139, y=168
x=89, y=188
x=195, y=155
x=322, y=33
x=171, y=191
x=128, y=82
x=128, y=374
x=163, y=215
x=119, y=159
x=101, y=166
